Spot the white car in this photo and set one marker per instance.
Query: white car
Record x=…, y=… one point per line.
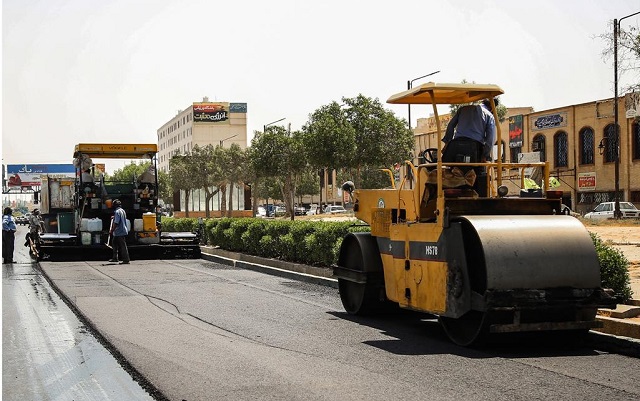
x=335, y=209
x=262, y=212
x=605, y=211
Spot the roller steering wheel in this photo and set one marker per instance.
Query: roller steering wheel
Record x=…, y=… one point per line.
x=430, y=155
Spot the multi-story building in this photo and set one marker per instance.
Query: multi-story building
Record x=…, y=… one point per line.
x=202, y=123
x=579, y=143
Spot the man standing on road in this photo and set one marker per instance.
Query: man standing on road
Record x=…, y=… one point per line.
x=119, y=234
x=8, y=235
x=36, y=225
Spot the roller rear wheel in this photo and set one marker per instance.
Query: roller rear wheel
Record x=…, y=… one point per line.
x=466, y=330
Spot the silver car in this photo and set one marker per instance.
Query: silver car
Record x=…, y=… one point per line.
x=605, y=211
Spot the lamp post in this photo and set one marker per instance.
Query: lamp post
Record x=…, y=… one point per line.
x=410, y=85
x=616, y=28
x=232, y=136
x=264, y=131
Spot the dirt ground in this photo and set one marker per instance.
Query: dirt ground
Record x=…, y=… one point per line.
x=626, y=237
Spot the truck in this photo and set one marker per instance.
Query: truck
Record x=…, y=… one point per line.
x=461, y=246
x=78, y=210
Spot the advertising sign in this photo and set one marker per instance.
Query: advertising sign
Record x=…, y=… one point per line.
x=515, y=131
x=587, y=181
x=237, y=107
x=549, y=121
x=28, y=175
x=217, y=113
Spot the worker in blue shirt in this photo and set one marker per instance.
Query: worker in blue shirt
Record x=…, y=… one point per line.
x=119, y=232
x=8, y=235
x=474, y=129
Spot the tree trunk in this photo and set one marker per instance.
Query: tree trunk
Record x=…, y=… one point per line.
x=230, y=211
x=187, y=196
x=223, y=197
x=208, y=196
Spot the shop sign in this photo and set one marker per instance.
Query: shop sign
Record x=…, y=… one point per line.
x=587, y=181
x=550, y=121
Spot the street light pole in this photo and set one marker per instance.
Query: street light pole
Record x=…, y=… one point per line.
x=264, y=129
x=232, y=136
x=616, y=28
x=410, y=85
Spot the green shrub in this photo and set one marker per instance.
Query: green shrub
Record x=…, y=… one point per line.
x=614, y=269
x=251, y=237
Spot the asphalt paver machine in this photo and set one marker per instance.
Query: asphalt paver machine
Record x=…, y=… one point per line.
x=83, y=226
x=483, y=261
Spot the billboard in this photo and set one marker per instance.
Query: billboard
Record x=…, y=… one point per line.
x=212, y=113
x=515, y=131
x=28, y=175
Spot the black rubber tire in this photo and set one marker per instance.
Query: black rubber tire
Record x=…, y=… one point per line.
x=466, y=330
x=361, y=298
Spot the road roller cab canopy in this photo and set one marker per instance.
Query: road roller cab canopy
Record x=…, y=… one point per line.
x=433, y=93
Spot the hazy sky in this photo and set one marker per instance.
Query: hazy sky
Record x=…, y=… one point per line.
x=115, y=71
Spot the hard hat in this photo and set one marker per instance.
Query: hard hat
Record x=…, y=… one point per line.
x=36, y=211
x=117, y=203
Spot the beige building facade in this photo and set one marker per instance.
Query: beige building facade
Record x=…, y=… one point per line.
x=578, y=141
x=202, y=123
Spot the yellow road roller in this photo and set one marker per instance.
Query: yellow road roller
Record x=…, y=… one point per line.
x=451, y=240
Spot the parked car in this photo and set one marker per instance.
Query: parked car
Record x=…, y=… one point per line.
x=280, y=211
x=23, y=220
x=605, y=211
x=300, y=210
x=334, y=209
x=313, y=209
x=262, y=212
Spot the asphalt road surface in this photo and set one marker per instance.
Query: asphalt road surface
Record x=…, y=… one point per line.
x=198, y=330
x=47, y=353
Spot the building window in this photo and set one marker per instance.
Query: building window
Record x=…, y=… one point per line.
x=587, y=145
x=635, y=134
x=610, y=140
x=561, y=147
x=538, y=145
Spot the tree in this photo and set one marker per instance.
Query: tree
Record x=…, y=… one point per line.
x=628, y=52
x=234, y=170
x=181, y=172
x=205, y=173
x=359, y=135
x=130, y=172
x=281, y=156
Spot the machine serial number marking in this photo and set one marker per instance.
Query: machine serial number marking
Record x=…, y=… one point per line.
x=431, y=250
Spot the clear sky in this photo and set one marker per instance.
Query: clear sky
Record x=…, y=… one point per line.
x=115, y=71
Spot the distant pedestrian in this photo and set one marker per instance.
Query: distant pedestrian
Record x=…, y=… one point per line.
x=36, y=226
x=8, y=235
x=119, y=232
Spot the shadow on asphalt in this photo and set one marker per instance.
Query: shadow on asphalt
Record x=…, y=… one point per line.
x=420, y=334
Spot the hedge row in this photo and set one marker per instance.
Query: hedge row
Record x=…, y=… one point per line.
x=310, y=242
x=318, y=242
